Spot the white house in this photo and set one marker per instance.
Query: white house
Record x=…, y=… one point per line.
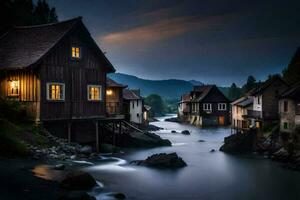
x=133, y=105
x=239, y=113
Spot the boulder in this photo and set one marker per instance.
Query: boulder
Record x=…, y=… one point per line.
x=201, y=140
x=173, y=131
x=174, y=119
x=185, y=132
x=142, y=140
x=59, y=167
x=87, y=150
x=213, y=150
x=240, y=142
x=78, y=180
x=162, y=160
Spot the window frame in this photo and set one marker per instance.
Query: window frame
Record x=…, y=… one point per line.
x=220, y=106
x=80, y=54
x=48, y=84
x=9, y=87
x=100, y=93
x=285, y=106
x=209, y=105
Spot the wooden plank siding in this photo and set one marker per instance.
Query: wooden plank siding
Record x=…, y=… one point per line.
x=76, y=74
x=29, y=89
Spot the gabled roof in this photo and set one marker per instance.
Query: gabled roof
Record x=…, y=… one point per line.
x=112, y=83
x=262, y=87
x=293, y=92
x=202, y=91
x=25, y=46
x=185, y=98
x=131, y=95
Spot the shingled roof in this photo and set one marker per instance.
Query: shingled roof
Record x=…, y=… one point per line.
x=24, y=46
x=262, y=87
x=112, y=83
x=293, y=92
x=202, y=91
x=131, y=95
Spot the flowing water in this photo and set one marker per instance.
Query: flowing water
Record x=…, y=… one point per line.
x=209, y=175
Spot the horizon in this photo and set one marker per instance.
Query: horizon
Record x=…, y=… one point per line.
x=208, y=41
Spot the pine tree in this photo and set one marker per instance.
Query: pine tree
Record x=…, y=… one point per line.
x=291, y=74
x=250, y=84
x=234, y=92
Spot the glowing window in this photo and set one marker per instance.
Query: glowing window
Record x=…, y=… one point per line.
x=55, y=91
x=13, y=88
x=75, y=52
x=109, y=92
x=94, y=92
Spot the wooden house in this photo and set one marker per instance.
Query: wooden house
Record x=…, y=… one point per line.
x=209, y=106
x=239, y=109
x=59, y=73
x=289, y=109
x=184, y=107
x=265, y=102
x=133, y=106
x=114, y=97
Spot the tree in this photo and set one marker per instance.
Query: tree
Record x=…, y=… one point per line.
x=291, y=74
x=24, y=12
x=234, y=92
x=156, y=103
x=250, y=84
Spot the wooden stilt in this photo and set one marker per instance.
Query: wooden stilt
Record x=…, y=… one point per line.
x=97, y=136
x=120, y=127
x=69, y=132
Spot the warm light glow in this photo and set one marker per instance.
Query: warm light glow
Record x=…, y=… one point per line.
x=75, y=52
x=94, y=93
x=55, y=92
x=109, y=92
x=13, y=88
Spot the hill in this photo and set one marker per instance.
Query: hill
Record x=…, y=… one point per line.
x=168, y=89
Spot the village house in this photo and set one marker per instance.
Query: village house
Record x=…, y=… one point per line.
x=184, y=107
x=239, y=109
x=209, y=106
x=289, y=110
x=133, y=106
x=58, y=72
x=265, y=111
x=114, y=97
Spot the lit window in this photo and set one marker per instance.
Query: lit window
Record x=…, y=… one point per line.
x=221, y=106
x=13, y=88
x=94, y=92
x=56, y=91
x=75, y=52
x=207, y=106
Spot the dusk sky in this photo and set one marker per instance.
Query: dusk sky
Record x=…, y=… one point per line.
x=213, y=41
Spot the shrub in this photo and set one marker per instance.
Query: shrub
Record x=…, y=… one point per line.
x=12, y=110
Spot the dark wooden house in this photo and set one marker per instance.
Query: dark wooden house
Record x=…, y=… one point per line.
x=58, y=72
x=209, y=106
x=114, y=97
x=265, y=110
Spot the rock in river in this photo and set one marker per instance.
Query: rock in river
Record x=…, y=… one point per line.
x=59, y=167
x=185, y=132
x=162, y=160
x=78, y=181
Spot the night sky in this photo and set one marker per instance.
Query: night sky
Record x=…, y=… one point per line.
x=213, y=41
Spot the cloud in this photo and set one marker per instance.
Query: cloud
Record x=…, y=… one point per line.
x=164, y=29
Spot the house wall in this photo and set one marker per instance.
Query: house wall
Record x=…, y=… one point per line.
x=289, y=117
x=257, y=103
x=136, y=111
x=59, y=66
x=29, y=89
x=114, y=102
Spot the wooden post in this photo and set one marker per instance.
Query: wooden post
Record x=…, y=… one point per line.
x=120, y=127
x=69, y=132
x=114, y=134
x=97, y=136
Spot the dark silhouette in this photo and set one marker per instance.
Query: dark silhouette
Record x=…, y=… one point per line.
x=24, y=13
x=291, y=74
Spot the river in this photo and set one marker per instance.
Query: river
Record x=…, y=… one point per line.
x=208, y=176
